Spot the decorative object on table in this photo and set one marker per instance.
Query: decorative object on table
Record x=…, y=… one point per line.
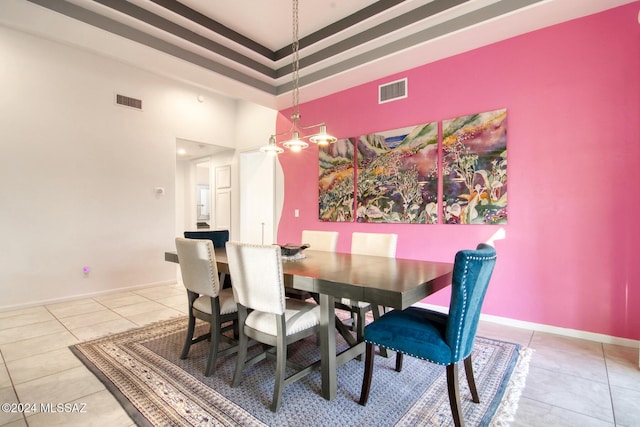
x=336, y=177
x=474, y=168
x=160, y=389
x=291, y=251
x=444, y=339
x=397, y=178
x=296, y=141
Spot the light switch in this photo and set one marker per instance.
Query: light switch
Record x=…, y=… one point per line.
x=296, y=213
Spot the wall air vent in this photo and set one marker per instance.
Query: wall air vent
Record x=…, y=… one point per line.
x=392, y=91
x=127, y=101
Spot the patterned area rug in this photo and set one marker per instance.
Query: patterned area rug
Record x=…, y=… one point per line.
x=143, y=371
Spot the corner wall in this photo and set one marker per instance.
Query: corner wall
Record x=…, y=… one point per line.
x=571, y=91
x=77, y=172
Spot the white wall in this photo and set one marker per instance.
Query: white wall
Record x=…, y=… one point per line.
x=77, y=172
x=253, y=126
x=183, y=202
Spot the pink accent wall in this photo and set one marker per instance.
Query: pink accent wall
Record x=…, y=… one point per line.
x=572, y=93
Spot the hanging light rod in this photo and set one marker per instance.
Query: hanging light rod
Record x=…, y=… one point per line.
x=296, y=143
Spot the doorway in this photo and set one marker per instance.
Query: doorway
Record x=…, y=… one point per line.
x=203, y=194
x=198, y=206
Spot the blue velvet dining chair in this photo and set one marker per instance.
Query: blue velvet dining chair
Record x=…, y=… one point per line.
x=444, y=339
x=218, y=237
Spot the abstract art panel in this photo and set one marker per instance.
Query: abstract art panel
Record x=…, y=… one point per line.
x=336, y=181
x=474, y=168
x=397, y=179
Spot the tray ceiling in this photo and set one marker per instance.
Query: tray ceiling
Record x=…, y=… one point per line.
x=246, y=44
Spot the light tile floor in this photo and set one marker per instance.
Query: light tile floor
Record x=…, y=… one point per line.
x=571, y=382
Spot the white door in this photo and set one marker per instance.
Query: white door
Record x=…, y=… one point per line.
x=257, y=198
x=222, y=203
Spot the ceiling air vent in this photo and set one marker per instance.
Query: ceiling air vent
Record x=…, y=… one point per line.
x=392, y=91
x=127, y=101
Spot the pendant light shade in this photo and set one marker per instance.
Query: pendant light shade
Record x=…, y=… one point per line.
x=295, y=143
x=272, y=148
x=322, y=137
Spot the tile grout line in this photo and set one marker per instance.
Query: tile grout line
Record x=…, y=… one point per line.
x=573, y=375
x=63, y=325
x=65, y=328
x=25, y=418
x=606, y=368
x=58, y=319
x=607, y=382
x=582, y=414
x=36, y=336
x=13, y=386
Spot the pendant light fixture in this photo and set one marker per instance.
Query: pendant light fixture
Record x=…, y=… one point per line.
x=296, y=142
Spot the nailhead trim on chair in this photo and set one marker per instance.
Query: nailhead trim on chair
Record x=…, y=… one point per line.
x=409, y=354
x=463, y=285
x=279, y=273
x=214, y=277
x=464, y=300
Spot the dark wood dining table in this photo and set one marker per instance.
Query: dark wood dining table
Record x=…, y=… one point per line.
x=390, y=282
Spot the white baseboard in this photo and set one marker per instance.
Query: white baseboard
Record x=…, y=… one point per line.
x=606, y=339
x=81, y=296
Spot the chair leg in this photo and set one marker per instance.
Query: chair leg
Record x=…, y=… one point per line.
x=361, y=318
x=468, y=368
x=375, y=310
x=236, y=332
x=242, y=349
x=281, y=366
x=399, y=358
x=213, y=350
x=368, y=373
x=359, y=325
x=190, y=329
x=454, y=395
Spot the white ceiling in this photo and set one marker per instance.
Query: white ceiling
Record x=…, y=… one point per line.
x=192, y=150
x=239, y=48
x=270, y=22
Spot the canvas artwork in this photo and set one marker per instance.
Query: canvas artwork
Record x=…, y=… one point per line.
x=397, y=179
x=474, y=168
x=336, y=181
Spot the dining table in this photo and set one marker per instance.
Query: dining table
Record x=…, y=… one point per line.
x=389, y=282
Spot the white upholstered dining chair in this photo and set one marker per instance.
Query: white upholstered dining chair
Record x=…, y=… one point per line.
x=320, y=240
x=265, y=314
x=207, y=301
x=375, y=244
x=326, y=241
